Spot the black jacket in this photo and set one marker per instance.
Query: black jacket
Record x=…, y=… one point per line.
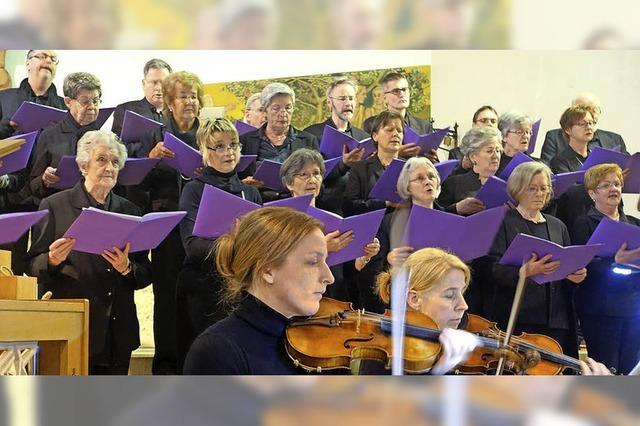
x=555, y=143
x=249, y=341
x=142, y=107
x=89, y=276
x=52, y=144
x=603, y=292
x=362, y=178
x=550, y=304
x=458, y=187
x=568, y=161
x=418, y=125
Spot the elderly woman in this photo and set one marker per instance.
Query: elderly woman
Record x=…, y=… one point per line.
x=387, y=133
x=107, y=281
x=516, y=134
x=483, y=146
x=302, y=174
x=274, y=264
x=199, y=285
x=608, y=304
x=82, y=92
x=182, y=95
x=486, y=115
x=277, y=138
x=545, y=309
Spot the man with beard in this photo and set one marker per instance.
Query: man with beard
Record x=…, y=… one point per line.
x=341, y=99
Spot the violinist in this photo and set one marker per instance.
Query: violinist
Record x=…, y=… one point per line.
x=274, y=264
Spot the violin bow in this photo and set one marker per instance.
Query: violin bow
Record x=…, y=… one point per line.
x=399, y=291
x=515, y=310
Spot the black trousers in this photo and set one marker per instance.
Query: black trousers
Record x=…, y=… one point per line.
x=613, y=341
x=166, y=263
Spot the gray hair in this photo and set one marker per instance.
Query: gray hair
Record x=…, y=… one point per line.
x=156, y=64
x=275, y=89
x=404, y=179
x=252, y=99
x=474, y=139
x=297, y=161
x=77, y=81
x=513, y=120
x=339, y=81
x=91, y=139
x=521, y=177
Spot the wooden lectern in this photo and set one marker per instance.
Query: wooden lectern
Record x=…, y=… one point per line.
x=61, y=328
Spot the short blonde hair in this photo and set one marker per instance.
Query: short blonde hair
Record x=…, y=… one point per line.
x=263, y=238
x=217, y=125
x=426, y=266
x=596, y=174
x=521, y=177
x=184, y=78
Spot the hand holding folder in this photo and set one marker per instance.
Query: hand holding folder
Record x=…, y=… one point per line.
x=333, y=141
x=14, y=225
x=32, y=117
x=428, y=141
x=97, y=230
x=186, y=159
x=611, y=234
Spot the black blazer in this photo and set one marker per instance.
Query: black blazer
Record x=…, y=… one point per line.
x=458, y=187
x=142, y=107
x=555, y=143
x=419, y=125
x=550, y=304
x=89, y=276
x=602, y=292
x=362, y=178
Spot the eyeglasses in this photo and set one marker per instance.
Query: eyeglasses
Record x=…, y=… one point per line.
x=85, y=102
x=421, y=179
x=277, y=110
x=585, y=124
x=307, y=176
x=221, y=149
x=535, y=189
x=43, y=56
x=520, y=132
x=607, y=185
x=188, y=98
x=487, y=120
x=397, y=91
x=343, y=98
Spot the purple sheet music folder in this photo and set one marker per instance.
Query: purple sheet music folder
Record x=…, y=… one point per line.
x=135, y=170
x=18, y=160
x=563, y=181
x=245, y=161
x=187, y=159
x=445, y=168
x=364, y=226
x=612, y=234
x=493, y=193
x=517, y=159
x=97, y=230
x=244, y=128
x=31, y=116
x=333, y=140
x=535, y=129
x=428, y=141
x=134, y=126
x=269, y=173
x=68, y=171
x=386, y=187
x=14, y=225
x=468, y=237
x=103, y=116
x=572, y=258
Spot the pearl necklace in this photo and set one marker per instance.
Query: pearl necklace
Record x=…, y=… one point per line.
x=524, y=214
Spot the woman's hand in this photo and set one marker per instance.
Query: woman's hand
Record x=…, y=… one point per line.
x=59, y=250
x=627, y=256
x=370, y=250
x=119, y=259
x=349, y=158
x=49, y=177
x=337, y=241
x=249, y=180
x=159, y=151
x=578, y=276
x=409, y=150
x=535, y=266
x=593, y=368
x=469, y=206
x=398, y=255
x=457, y=345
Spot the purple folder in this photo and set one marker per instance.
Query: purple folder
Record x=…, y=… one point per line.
x=468, y=237
x=535, y=128
x=445, y=168
x=368, y=145
x=218, y=211
x=14, y=225
x=331, y=164
x=300, y=204
x=31, y=116
x=135, y=170
x=187, y=159
x=572, y=258
x=18, y=160
x=245, y=161
x=333, y=140
x=601, y=156
x=517, y=159
x=563, y=181
x=68, y=171
x=386, y=187
x=269, y=173
x=364, y=226
x=427, y=141
x=632, y=181
x=244, y=128
x=103, y=116
x=493, y=193
x=97, y=230
x=612, y=234
x=134, y=126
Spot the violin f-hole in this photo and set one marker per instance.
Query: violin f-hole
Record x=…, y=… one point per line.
x=347, y=343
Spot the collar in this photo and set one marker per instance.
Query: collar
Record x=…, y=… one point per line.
x=229, y=182
x=80, y=198
x=261, y=316
x=291, y=134
x=151, y=107
x=329, y=122
x=597, y=215
x=70, y=125
x=26, y=87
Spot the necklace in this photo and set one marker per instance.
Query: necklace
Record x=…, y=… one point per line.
x=525, y=215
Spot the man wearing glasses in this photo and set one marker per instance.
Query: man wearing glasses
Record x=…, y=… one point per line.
x=150, y=106
x=555, y=143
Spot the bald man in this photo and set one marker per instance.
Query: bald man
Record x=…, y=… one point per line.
x=555, y=143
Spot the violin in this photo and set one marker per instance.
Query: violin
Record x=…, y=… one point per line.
x=339, y=335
